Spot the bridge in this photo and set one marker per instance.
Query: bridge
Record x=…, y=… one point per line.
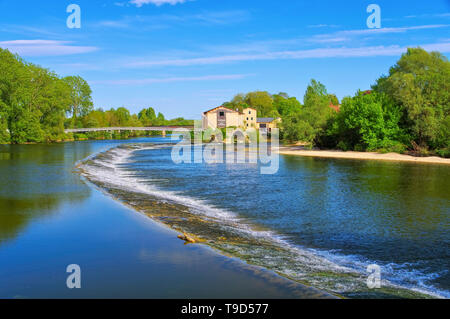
x=162, y=129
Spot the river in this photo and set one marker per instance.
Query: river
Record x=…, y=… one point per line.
x=317, y=222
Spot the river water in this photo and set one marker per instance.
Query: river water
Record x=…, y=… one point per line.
x=318, y=222
x=51, y=218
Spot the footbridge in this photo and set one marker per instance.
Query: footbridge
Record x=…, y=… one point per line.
x=162, y=129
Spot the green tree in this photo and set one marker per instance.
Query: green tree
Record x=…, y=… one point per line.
x=366, y=122
x=311, y=120
x=261, y=101
x=134, y=121
x=333, y=99
x=123, y=116
x=147, y=116
x=420, y=84
x=160, y=119
x=360, y=123
x=81, y=100
x=237, y=103
x=24, y=116
x=96, y=118
x=285, y=105
x=50, y=100
x=11, y=68
x=33, y=102
x=294, y=128
x=4, y=131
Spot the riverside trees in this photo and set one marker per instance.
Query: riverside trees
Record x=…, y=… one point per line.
x=420, y=85
x=36, y=105
x=408, y=109
x=80, y=97
x=33, y=102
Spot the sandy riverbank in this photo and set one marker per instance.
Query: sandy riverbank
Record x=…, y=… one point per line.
x=393, y=157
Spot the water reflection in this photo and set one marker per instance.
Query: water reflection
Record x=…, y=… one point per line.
x=35, y=181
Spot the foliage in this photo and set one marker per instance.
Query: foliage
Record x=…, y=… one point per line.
x=365, y=122
x=266, y=105
x=308, y=123
x=285, y=105
x=34, y=103
x=147, y=117
x=420, y=84
x=408, y=109
x=81, y=101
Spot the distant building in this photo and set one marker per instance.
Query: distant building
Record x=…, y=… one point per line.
x=267, y=123
x=337, y=108
x=223, y=117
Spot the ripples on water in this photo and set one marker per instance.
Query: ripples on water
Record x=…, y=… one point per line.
x=317, y=221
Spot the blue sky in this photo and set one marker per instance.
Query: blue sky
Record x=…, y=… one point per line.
x=185, y=56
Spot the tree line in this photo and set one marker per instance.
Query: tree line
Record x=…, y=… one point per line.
x=405, y=111
x=37, y=105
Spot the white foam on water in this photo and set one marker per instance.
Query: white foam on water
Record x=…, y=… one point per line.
x=396, y=275
x=113, y=174
x=110, y=171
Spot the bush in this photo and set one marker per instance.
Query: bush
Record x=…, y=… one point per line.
x=342, y=146
x=80, y=137
x=444, y=152
x=388, y=146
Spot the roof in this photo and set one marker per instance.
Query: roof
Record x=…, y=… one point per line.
x=265, y=119
x=222, y=107
x=337, y=108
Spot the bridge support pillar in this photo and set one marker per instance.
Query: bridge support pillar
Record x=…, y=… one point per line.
x=164, y=133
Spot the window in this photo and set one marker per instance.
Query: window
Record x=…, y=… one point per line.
x=247, y=118
x=252, y=118
x=250, y=112
x=221, y=113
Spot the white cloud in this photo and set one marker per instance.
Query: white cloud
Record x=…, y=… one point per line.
x=427, y=15
x=392, y=30
x=140, y=3
x=340, y=35
x=358, y=37
x=342, y=52
x=145, y=22
x=172, y=79
x=315, y=26
x=44, y=47
x=328, y=40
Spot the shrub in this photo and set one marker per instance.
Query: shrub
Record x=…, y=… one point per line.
x=444, y=152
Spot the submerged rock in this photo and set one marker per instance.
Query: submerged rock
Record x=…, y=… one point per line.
x=187, y=238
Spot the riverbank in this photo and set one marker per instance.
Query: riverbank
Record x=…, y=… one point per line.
x=393, y=157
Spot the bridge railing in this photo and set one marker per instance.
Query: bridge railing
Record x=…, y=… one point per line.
x=107, y=129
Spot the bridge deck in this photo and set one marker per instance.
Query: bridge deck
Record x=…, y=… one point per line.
x=107, y=129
